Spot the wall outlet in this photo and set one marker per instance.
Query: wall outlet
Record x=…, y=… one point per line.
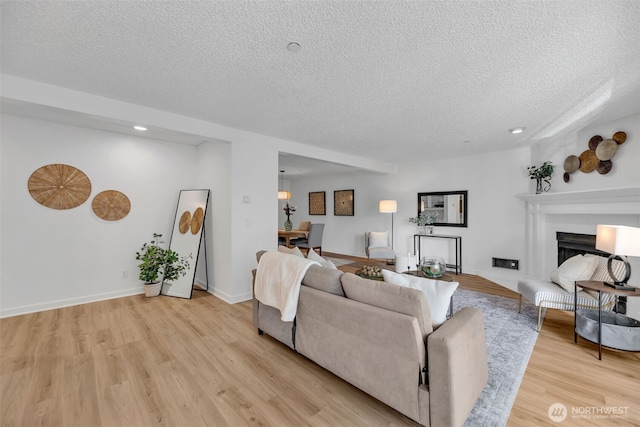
x=124, y=274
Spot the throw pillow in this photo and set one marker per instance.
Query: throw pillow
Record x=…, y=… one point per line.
x=576, y=268
x=602, y=271
x=313, y=256
x=378, y=239
x=390, y=297
x=437, y=292
x=291, y=251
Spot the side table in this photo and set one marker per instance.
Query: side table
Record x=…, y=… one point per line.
x=600, y=287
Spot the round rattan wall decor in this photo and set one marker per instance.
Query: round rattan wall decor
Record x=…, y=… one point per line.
x=196, y=221
x=185, y=222
x=59, y=186
x=111, y=205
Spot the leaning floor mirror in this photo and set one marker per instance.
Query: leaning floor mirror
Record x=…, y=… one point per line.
x=187, y=239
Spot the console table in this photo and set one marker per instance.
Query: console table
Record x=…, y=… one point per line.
x=458, y=242
x=600, y=287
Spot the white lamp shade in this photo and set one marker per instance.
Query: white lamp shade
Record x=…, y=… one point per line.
x=618, y=240
x=388, y=206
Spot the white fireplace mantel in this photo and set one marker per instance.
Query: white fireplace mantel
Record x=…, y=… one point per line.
x=612, y=201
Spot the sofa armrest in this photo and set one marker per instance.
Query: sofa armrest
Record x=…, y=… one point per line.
x=458, y=369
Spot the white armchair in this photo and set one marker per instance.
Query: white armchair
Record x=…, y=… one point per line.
x=378, y=246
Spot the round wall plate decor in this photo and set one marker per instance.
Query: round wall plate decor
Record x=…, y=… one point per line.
x=59, y=186
x=111, y=205
x=594, y=141
x=619, y=137
x=185, y=222
x=588, y=161
x=196, y=221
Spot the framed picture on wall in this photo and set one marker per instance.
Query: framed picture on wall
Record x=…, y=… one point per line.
x=343, y=203
x=317, y=205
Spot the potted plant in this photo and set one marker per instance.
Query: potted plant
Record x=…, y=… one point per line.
x=425, y=221
x=541, y=173
x=157, y=262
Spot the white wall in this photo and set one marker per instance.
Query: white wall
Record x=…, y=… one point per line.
x=232, y=163
x=53, y=258
x=495, y=215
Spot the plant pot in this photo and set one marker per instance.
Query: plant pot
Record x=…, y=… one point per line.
x=152, y=289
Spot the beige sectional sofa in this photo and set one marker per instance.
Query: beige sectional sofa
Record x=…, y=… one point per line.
x=379, y=337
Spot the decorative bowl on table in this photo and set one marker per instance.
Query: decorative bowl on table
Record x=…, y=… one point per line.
x=433, y=266
x=372, y=272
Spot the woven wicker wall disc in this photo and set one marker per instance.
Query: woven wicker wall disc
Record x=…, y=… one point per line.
x=196, y=221
x=619, y=137
x=606, y=149
x=185, y=222
x=604, y=167
x=571, y=164
x=59, y=186
x=594, y=141
x=588, y=161
x=111, y=205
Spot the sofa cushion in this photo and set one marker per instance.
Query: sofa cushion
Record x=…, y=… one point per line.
x=575, y=268
x=438, y=292
x=324, y=279
x=403, y=300
x=313, y=256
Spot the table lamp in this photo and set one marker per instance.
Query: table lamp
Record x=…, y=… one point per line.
x=620, y=241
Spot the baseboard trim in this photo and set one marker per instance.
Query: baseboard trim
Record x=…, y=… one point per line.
x=52, y=305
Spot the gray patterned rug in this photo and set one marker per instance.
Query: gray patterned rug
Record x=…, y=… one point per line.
x=510, y=339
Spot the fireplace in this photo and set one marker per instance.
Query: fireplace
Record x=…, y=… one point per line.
x=571, y=244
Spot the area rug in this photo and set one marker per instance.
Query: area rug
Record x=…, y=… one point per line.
x=338, y=261
x=510, y=339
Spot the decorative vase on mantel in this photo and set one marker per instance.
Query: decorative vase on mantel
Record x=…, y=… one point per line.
x=288, y=225
x=543, y=185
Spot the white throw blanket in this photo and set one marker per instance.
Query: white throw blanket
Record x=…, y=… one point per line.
x=278, y=281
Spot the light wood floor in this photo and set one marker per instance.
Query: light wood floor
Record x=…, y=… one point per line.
x=168, y=361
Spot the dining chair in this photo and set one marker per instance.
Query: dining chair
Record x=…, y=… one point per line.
x=314, y=240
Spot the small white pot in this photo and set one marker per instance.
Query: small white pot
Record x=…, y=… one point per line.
x=152, y=290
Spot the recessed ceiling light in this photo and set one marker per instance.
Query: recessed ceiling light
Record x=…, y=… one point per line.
x=140, y=128
x=516, y=130
x=293, y=47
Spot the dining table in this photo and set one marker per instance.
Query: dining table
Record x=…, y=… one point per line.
x=292, y=234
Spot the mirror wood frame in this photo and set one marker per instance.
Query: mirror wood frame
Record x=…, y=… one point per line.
x=463, y=194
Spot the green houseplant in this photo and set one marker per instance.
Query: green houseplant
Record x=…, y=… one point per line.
x=541, y=173
x=157, y=261
x=425, y=221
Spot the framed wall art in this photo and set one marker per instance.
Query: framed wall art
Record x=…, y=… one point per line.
x=343, y=203
x=317, y=203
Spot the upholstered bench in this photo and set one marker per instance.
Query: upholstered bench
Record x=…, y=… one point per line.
x=558, y=292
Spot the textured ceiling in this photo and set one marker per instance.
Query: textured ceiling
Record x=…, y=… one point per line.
x=383, y=79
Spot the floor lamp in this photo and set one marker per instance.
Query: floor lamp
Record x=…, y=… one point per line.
x=389, y=206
